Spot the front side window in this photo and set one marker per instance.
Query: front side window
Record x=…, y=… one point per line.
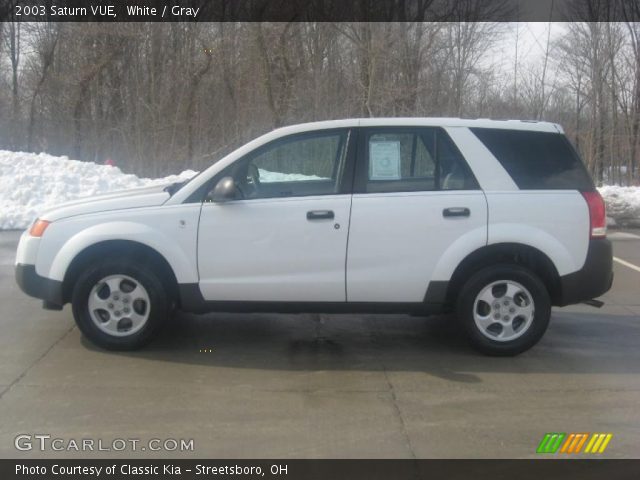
x=425, y=159
x=299, y=165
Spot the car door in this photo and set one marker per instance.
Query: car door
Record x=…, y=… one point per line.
x=415, y=198
x=284, y=239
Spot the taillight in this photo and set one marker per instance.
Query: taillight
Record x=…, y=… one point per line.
x=597, y=214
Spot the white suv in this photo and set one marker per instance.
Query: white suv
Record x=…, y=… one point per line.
x=495, y=220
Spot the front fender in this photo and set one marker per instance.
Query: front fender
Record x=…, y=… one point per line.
x=183, y=267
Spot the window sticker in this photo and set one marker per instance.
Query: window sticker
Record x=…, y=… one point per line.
x=384, y=160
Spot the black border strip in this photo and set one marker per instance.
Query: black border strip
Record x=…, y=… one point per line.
x=321, y=10
x=337, y=469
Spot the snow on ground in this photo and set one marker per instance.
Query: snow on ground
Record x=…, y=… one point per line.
x=31, y=183
x=623, y=205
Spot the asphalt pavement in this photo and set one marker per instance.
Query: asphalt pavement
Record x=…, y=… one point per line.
x=308, y=386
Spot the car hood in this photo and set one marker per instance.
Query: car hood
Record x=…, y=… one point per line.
x=136, y=198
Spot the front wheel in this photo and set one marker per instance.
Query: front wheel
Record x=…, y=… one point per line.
x=118, y=305
x=505, y=309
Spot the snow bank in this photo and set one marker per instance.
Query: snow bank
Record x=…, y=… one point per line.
x=31, y=183
x=267, y=176
x=623, y=205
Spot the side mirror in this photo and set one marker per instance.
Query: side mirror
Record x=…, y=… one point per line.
x=224, y=191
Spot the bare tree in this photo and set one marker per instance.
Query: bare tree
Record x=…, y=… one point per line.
x=12, y=40
x=47, y=36
x=634, y=39
x=159, y=97
x=466, y=43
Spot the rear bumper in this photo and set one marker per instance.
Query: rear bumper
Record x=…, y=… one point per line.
x=593, y=279
x=39, y=287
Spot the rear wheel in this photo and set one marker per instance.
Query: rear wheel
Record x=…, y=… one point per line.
x=118, y=305
x=505, y=309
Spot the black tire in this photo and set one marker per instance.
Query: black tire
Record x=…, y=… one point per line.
x=159, y=304
x=483, y=278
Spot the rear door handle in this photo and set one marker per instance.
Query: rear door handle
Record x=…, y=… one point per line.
x=320, y=215
x=456, y=212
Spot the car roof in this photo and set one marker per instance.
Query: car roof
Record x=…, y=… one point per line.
x=531, y=125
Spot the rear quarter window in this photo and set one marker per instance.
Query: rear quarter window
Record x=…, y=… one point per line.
x=537, y=160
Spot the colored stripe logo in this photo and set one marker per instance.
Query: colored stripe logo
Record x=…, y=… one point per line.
x=598, y=443
x=550, y=442
x=574, y=442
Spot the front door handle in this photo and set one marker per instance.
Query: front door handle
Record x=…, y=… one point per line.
x=456, y=212
x=320, y=215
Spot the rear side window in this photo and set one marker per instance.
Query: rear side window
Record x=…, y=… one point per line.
x=537, y=160
x=408, y=160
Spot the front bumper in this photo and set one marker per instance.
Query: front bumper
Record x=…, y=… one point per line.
x=593, y=279
x=39, y=287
